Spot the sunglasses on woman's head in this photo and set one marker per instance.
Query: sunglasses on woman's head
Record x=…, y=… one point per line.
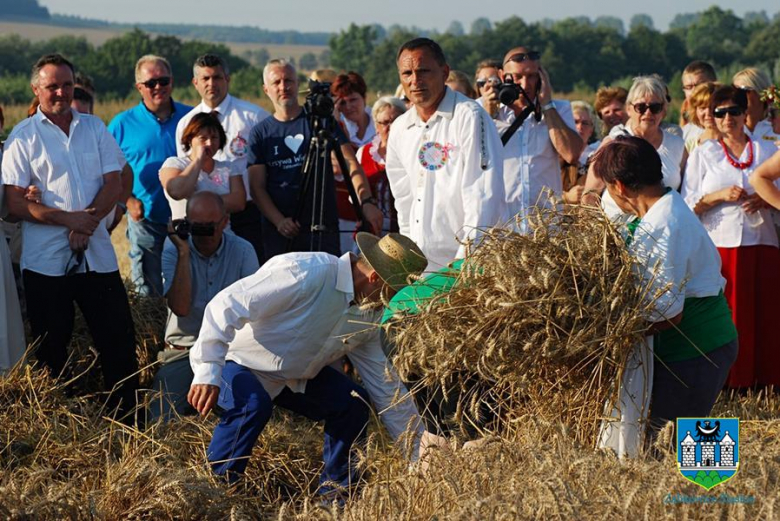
x=721, y=112
x=654, y=108
x=163, y=81
x=523, y=56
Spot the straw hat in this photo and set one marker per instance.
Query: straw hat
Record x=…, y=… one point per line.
x=394, y=257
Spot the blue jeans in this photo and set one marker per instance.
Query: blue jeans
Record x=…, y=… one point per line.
x=146, y=245
x=328, y=397
x=173, y=382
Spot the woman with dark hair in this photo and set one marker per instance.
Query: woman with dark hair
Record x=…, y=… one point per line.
x=717, y=187
x=183, y=176
x=695, y=339
x=349, y=93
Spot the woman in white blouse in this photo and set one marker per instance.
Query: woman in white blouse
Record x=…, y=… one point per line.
x=646, y=105
x=183, y=176
x=717, y=188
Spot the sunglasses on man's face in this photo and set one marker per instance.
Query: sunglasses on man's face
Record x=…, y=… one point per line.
x=163, y=81
x=721, y=112
x=654, y=108
x=523, y=56
x=495, y=80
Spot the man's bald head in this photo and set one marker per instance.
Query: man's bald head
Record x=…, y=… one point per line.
x=205, y=207
x=516, y=50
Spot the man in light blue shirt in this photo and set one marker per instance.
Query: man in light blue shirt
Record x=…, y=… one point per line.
x=146, y=134
x=195, y=269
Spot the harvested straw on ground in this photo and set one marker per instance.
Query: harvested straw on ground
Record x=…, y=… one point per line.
x=537, y=324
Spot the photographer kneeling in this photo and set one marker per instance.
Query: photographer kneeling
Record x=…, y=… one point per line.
x=199, y=260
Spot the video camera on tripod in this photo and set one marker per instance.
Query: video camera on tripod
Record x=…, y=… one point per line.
x=318, y=107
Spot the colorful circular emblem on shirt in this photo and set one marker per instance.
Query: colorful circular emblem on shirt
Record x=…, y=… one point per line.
x=433, y=155
x=238, y=147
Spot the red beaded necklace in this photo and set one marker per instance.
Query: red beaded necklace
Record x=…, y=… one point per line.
x=733, y=160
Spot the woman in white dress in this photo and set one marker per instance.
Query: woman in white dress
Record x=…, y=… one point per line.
x=12, y=342
x=183, y=176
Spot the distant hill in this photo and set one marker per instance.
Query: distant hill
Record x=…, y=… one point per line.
x=23, y=9
x=214, y=33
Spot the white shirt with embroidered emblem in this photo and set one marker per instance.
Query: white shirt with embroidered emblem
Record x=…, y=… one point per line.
x=708, y=171
x=68, y=170
x=237, y=117
x=531, y=163
x=454, y=196
x=352, y=130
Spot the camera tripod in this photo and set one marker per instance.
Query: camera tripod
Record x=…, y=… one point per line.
x=314, y=180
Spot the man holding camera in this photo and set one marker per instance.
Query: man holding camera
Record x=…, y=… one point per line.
x=199, y=260
x=295, y=221
x=211, y=78
x=532, y=151
x=444, y=159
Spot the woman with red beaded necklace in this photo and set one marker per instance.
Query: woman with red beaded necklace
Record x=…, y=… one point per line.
x=717, y=188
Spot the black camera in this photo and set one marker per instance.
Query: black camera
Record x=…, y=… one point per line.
x=509, y=91
x=184, y=228
x=319, y=102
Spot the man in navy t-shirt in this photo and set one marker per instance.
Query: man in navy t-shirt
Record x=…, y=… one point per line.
x=277, y=151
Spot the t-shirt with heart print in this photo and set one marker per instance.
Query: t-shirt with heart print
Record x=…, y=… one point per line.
x=282, y=146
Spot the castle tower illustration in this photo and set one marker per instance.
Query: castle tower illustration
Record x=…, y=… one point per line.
x=689, y=451
x=708, y=453
x=727, y=451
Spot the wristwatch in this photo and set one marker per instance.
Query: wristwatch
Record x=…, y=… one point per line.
x=547, y=106
x=369, y=200
x=121, y=205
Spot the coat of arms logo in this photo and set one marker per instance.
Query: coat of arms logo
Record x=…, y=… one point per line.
x=708, y=449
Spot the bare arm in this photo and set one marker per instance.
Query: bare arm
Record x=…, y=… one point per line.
x=108, y=195
x=257, y=182
x=566, y=141
x=180, y=184
x=359, y=180
x=763, y=180
x=126, y=175
x=179, y=296
x=82, y=221
x=235, y=201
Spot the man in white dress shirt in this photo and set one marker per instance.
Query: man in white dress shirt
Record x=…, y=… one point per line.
x=532, y=169
x=67, y=254
x=211, y=78
x=268, y=339
x=444, y=159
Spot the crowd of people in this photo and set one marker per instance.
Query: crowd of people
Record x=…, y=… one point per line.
x=253, y=241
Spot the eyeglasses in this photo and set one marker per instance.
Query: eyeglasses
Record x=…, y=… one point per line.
x=494, y=80
x=523, y=56
x=654, y=108
x=733, y=110
x=384, y=122
x=162, y=81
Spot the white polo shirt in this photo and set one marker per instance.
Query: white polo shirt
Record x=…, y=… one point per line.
x=69, y=171
x=446, y=175
x=237, y=117
x=708, y=171
x=531, y=163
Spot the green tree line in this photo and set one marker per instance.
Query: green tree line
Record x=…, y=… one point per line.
x=580, y=54
x=112, y=65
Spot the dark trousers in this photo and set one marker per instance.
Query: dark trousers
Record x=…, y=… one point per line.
x=246, y=224
x=102, y=299
x=329, y=396
x=688, y=389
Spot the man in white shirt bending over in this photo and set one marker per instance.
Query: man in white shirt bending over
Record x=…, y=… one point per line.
x=269, y=338
x=444, y=159
x=211, y=78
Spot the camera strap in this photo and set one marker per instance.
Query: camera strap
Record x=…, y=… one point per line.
x=516, y=124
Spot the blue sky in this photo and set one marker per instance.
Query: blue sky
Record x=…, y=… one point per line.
x=332, y=15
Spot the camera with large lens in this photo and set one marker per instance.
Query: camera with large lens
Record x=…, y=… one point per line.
x=184, y=228
x=319, y=102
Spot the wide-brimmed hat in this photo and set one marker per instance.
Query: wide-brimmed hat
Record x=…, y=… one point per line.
x=394, y=257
